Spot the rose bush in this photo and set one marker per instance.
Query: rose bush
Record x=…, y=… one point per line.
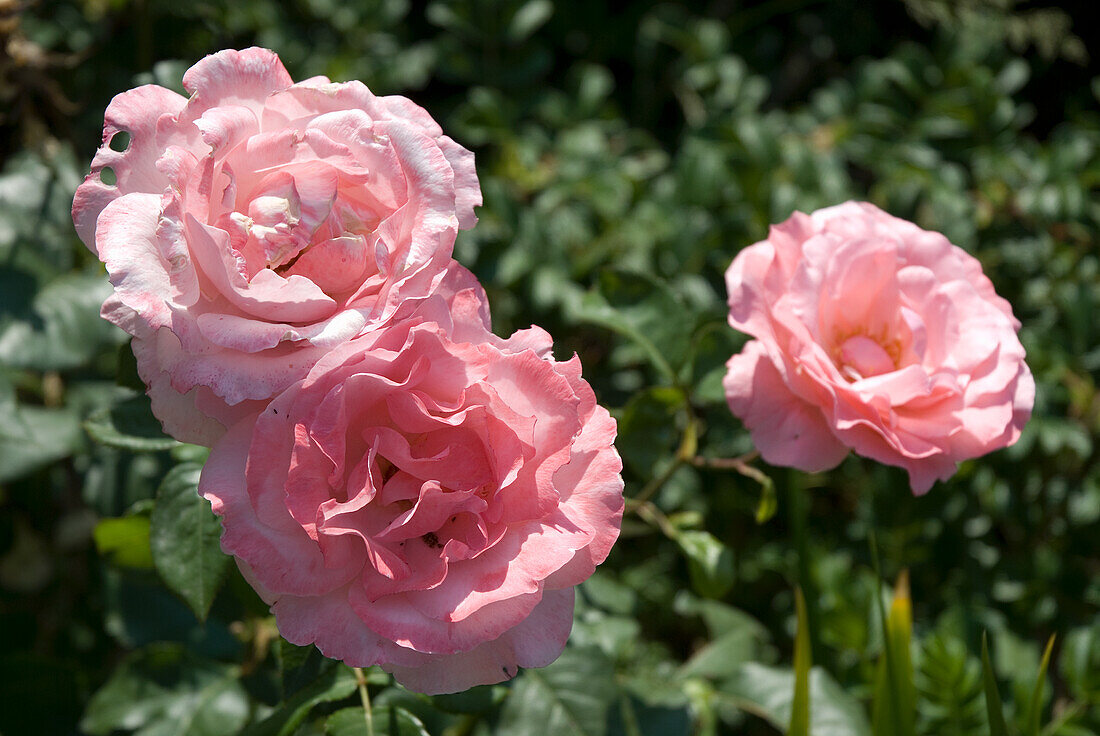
x=251, y=227
x=873, y=335
x=425, y=498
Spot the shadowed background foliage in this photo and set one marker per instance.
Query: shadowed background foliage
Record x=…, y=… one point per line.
x=627, y=151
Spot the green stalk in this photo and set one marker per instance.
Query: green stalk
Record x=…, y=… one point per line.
x=364, y=696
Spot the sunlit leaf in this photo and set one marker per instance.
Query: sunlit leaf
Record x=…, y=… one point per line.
x=125, y=541
x=767, y=692
x=60, y=328
x=710, y=563
x=571, y=697
x=387, y=721
x=163, y=691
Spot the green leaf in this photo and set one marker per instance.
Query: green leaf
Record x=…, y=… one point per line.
x=389, y=720
x=710, y=563
x=1035, y=704
x=1079, y=662
x=993, y=706
x=184, y=453
x=768, y=692
x=299, y=666
x=529, y=18
x=125, y=541
x=475, y=700
x=163, y=691
x=36, y=227
x=128, y=425
x=721, y=657
x=894, y=700
x=185, y=535
x=32, y=437
x=800, y=703
x=636, y=718
x=720, y=618
x=950, y=685
x=648, y=430
x=643, y=309
x=334, y=684
x=570, y=697
x=62, y=329
x=769, y=501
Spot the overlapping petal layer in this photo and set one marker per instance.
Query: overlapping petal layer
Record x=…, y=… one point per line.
x=426, y=497
x=875, y=335
x=254, y=225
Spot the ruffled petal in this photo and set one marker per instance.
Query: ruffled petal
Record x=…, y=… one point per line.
x=135, y=112
x=535, y=642
x=786, y=430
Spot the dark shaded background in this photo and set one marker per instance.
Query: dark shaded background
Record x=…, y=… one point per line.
x=627, y=151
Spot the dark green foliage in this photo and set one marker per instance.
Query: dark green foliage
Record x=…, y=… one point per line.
x=949, y=684
x=626, y=152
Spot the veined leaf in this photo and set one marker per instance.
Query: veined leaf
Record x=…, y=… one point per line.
x=184, y=534
x=570, y=697
x=334, y=684
x=388, y=720
x=767, y=692
x=164, y=691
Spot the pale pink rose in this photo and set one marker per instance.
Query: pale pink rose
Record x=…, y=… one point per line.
x=259, y=222
x=425, y=498
x=877, y=336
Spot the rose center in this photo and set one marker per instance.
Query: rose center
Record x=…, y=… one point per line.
x=861, y=357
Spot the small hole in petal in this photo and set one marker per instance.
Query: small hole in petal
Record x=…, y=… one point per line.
x=107, y=176
x=120, y=141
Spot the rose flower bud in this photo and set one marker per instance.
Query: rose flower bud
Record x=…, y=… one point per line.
x=876, y=336
x=251, y=227
x=425, y=498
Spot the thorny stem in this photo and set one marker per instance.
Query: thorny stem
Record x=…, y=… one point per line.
x=361, y=682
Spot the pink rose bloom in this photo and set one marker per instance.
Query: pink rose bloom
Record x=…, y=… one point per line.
x=259, y=222
x=425, y=498
x=877, y=336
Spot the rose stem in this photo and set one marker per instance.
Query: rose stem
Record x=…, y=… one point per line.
x=361, y=681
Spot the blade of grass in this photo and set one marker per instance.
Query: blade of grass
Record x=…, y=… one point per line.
x=803, y=661
x=993, y=705
x=1036, y=706
x=894, y=701
x=900, y=621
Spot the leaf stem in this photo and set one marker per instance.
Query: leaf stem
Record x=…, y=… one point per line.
x=361, y=682
x=739, y=463
x=649, y=512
